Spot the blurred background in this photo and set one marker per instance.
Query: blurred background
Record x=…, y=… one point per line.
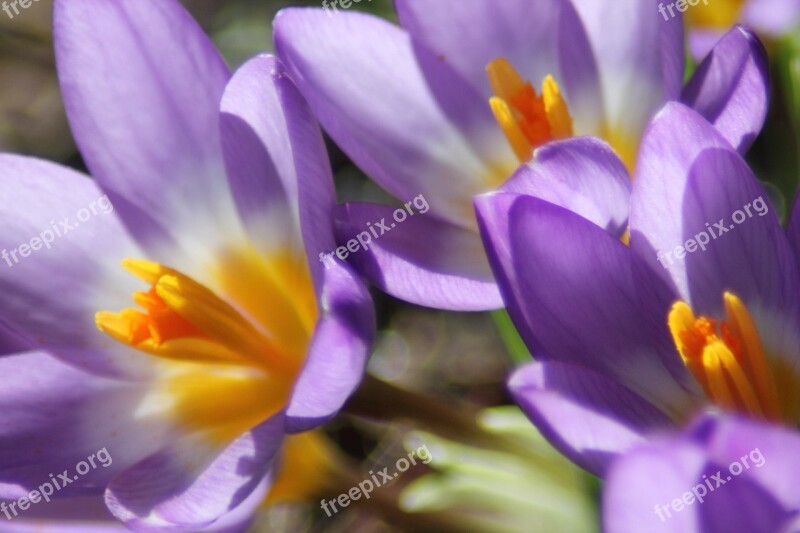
x=450, y=358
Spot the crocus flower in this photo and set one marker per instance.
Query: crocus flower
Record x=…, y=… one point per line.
x=708, y=20
x=722, y=474
x=699, y=313
x=416, y=109
x=172, y=317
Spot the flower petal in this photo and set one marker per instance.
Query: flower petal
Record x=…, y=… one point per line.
x=730, y=88
x=649, y=488
x=689, y=179
x=421, y=260
x=55, y=416
x=188, y=486
x=587, y=416
x=575, y=289
x=258, y=154
x=581, y=174
x=51, y=293
x=390, y=121
x=142, y=85
x=645, y=479
x=277, y=163
x=771, y=449
x=338, y=353
x=771, y=17
x=639, y=58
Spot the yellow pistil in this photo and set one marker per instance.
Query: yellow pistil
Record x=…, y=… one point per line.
x=224, y=369
x=527, y=119
x=722, y=15
x=729, y=361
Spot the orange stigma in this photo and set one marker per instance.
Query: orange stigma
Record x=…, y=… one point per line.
x=528, y=120
x=728, y=360
x=182, y=319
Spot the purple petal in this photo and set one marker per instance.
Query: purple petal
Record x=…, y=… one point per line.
x=578, y=298
x=258, y=154
x=55, y=416
x=388, y=120
x=639, y=58
x=277, y=161
x=538, y=39
x=587, y=416
x=11, y=341
x=583, y=175
x=187, y=486
x=702, y=40
x=86, y=514
x=647, y=478
x=50, y=297
x=142, y=85
x=648, y=489
x=421, y=260
x=771, y=17
x=771, y=452
x=690, y=183
x=338, y=353
x=730, y=88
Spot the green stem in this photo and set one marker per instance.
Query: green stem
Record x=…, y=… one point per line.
x=451, y=419
x=514, y=344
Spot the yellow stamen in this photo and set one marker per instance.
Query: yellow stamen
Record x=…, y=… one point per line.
x=528, y=120
x=185, y=320
x=556, y=109
x=727, y=359
x=228, y=358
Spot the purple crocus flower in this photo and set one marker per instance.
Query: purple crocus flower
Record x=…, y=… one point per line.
x=413, y=106
x=709, y=20
x=723, y=474
x=216, y=337
x=700, y=311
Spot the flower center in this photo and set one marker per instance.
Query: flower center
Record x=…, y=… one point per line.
x=729, y=361
x=722, y=15
x=222, y=371
x=528, y=120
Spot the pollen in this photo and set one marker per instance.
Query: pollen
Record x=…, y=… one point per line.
x=527, y=119
x=728, y=359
